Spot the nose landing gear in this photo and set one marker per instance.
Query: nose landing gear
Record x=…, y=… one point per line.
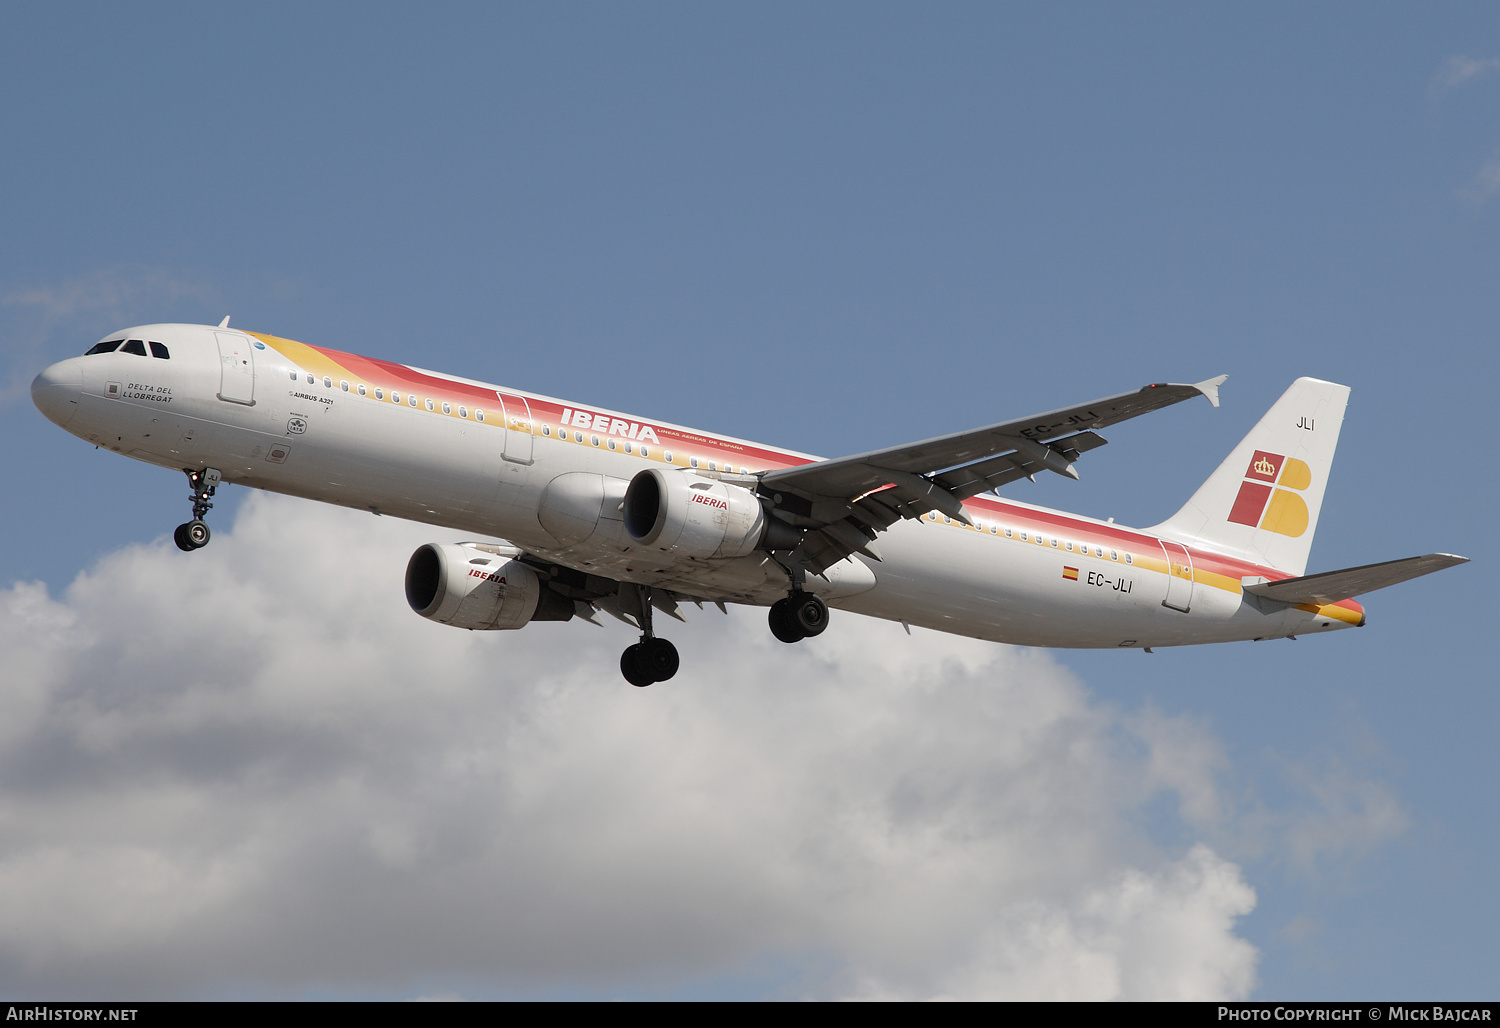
x=798, y=616
x=195, y=534
x=651, y=659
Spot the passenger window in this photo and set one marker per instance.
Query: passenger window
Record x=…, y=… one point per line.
x=135, y=346
x=429, y=403
x=327, y=382
x=478, y=415
x=362, y=389
x=611, y=444
x=110, y=347
x=309, y=378
x=411, y=399
x=713, y=466
x=546, y=430
x=395, y=397
x=463, y=411
x=1007, y=533
x=447, y=409
x=344, y=386
x=627, y=448
x=645, y=452
x=594, y=439
x=1114, y=554
x=994, y=530
x=667, y=456
x=693, y=461
x=294, y=374
x=1129, y=559
x=1070, y=545
x=158, y=350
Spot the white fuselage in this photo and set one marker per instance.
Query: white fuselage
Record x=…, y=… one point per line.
x=405, y=443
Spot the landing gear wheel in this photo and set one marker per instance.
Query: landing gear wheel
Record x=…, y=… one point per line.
x=650, y=660
x=809, y=612
x=631, y=666
x=798, y=616
x=191, y=536
x=659, y=657
x=783, y=622
x=197, y=533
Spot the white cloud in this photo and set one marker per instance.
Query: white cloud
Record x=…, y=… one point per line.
x=1167, y=935
x=252, y=770
x=1486, y=182
x=1459, y=70
x=1454, y=72
x=1350, y=815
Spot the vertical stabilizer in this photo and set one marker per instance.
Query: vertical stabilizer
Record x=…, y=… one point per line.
x=1263, y=501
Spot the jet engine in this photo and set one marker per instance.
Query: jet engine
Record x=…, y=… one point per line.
x=464, y=586
x=675, y=512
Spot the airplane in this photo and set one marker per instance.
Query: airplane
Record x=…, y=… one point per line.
x=600, y=511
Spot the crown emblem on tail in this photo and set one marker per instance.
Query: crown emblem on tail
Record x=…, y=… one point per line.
x=1265, y=467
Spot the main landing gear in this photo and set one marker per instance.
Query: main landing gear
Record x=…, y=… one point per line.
x=195, y=534
x=651, y=659
x=798, y=616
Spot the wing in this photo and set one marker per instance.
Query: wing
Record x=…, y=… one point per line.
x=845, y=503
x=1332, y=586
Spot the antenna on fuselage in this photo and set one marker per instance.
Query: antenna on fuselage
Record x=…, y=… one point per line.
x=225, y=322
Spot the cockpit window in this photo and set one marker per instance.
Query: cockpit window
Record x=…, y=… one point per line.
x=104, y=347
x=134, y=346
x=158, y=350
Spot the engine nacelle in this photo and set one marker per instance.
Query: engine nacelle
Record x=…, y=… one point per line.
x=467, y=587
x=680, y=513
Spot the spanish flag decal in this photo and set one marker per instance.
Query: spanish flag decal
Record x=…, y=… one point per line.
x=1071, y=574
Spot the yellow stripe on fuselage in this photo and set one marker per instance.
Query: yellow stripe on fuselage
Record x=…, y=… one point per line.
x=304, y=357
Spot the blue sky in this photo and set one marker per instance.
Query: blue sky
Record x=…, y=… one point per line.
x=834, y=227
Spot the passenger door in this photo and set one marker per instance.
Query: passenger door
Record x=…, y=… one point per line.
x=236, y=368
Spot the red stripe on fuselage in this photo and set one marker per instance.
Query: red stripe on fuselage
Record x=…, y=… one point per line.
x=388, y=374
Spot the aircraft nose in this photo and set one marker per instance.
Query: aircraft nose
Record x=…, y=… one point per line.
x=56, y=390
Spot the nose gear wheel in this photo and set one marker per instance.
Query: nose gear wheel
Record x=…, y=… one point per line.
x=191, y=536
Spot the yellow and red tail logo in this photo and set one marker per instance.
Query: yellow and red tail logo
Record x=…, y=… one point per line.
x=1276, y=510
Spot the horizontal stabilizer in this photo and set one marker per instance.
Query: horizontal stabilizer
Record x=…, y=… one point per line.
x=1332, y=586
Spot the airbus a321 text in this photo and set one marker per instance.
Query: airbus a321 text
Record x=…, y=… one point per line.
x=604, y=511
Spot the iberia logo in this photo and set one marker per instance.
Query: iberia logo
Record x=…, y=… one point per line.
x=1278, y=509
x=1071, y=574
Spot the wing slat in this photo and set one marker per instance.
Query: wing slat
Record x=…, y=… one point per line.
x=851, y=476
x=843, y=504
